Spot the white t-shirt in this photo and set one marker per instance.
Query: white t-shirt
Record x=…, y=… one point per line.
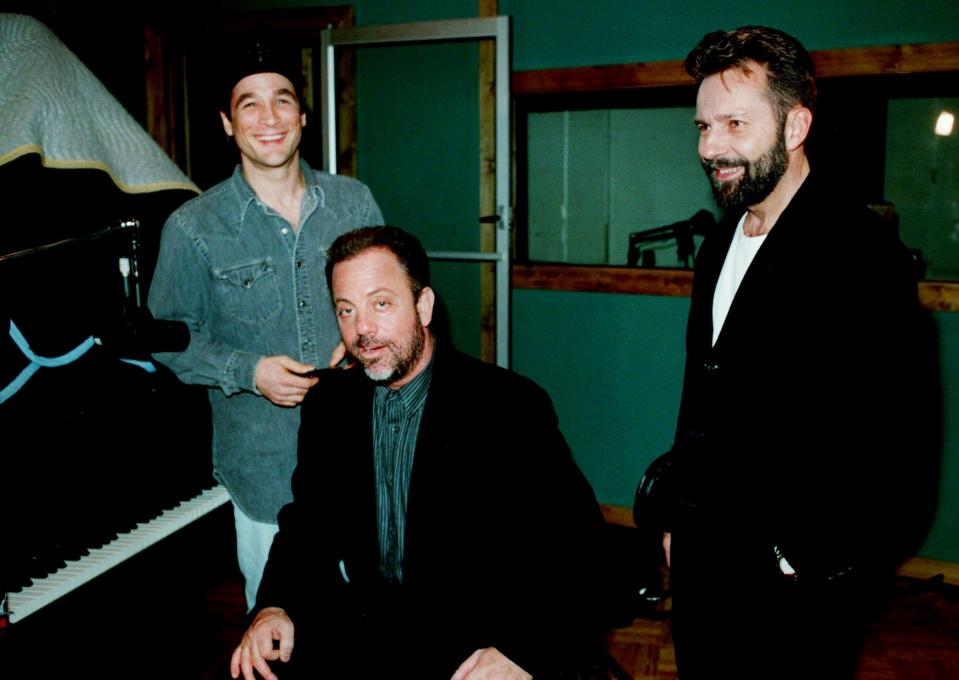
x=742, y=250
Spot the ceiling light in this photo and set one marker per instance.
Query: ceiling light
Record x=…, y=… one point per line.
x=944, y=124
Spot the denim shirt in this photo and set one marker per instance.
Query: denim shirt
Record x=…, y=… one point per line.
x=248, y=285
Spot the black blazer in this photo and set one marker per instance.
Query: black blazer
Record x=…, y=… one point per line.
x=501, y=525
x=793, y=426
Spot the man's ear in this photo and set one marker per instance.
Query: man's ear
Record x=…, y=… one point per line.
x=227, y=124
x=424, y=306
x=798, y=124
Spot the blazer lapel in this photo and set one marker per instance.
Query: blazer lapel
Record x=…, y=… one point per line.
x=762, y=288
x=362, y=470
x=429, y=484
x=708, y=267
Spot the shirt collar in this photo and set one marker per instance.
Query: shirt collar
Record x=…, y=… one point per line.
x=413, y=394
x=246, y=196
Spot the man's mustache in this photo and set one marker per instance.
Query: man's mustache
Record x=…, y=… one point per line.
x=717, y=163
x=367, y=341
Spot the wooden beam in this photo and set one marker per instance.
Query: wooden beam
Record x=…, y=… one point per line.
x=600, y=78
x=857, y=61
x=923, y=568
x=161, y=120
x=602, y=279
x=617, y=514
x=890, y=60
x=938, y=296
x=487, y=189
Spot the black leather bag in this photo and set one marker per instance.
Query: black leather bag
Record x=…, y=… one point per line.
x=655, y=496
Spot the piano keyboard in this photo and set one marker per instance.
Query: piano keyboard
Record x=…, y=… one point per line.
x=24, y=602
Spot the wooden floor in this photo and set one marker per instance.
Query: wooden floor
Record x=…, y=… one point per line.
x=917, y=638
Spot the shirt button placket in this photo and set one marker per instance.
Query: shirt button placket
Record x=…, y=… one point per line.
x=304, y=312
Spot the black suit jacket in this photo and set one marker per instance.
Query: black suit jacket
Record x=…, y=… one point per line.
x=793, y=428
x=500, y=538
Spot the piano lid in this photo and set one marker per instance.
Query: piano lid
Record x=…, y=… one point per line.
x=53, y=105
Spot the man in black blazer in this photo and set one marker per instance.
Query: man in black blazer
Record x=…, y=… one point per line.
x=798, y=391
x=440, y=527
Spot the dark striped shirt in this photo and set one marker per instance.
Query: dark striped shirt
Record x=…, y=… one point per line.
x=396, y=423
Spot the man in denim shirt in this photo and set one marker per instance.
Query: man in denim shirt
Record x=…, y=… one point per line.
x=243, y=265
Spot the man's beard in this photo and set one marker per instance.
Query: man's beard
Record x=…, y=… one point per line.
x=759, y=178
x=399, y=359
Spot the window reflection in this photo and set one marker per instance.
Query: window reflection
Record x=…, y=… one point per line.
x=922, y=181
x=596, y=174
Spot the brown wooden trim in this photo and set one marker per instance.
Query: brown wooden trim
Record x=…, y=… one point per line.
x=923, y=568
x=600, y=78
x=161, y=121
x=617, y=514
x=487, y=179
x=890, y=60
x=938, y=296
x=857, y=61
x=601, y=279
x=346, y=132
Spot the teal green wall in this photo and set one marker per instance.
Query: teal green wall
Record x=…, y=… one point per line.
x=614, y=367
x=943, y=540
x=613, y=363
x=577, y=33
x=557, y=33
x=420, y=160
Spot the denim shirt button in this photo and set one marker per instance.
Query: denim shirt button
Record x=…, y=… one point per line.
x=284, y=230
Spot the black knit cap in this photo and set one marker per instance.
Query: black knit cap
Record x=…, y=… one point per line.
x=258, y=54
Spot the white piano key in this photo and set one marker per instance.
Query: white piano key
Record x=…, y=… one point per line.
x=126, y=545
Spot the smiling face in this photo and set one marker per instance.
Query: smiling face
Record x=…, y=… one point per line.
x=380, y=322
x=266, y=121
x=742, y=143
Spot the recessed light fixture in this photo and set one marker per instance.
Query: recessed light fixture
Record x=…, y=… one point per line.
x=945, y=123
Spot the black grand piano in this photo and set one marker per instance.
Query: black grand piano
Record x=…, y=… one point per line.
x=103, y=454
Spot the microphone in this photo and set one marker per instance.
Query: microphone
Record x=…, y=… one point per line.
x=682, y=232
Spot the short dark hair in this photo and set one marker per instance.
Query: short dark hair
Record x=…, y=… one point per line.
x=789, y=68
x=405, y=247
x=257, y=54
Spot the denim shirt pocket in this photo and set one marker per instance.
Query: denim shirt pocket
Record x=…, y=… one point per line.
x=251, y=290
